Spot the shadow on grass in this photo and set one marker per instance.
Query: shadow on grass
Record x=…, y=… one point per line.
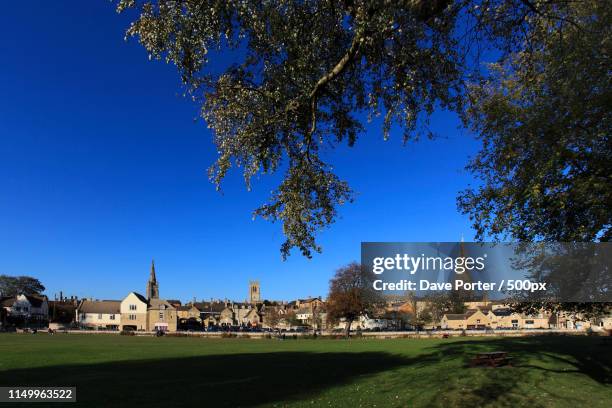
x=218, y=380
x=556, y=354
x=540, y=365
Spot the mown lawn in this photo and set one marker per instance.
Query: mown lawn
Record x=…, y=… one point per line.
x=117, y=371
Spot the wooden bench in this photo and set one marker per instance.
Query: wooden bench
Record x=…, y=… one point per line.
x=491, y=359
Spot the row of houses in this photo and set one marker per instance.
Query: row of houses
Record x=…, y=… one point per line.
x=255, y=313
x=150, y=313
x=134, y=312
x=483, y=317
x=480, y=315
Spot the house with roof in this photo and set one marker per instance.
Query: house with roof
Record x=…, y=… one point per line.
x=251, y=318
x=226, y=317
x=148, y=313
x=134, y=308
x=185, y=312
x=26, y=309
x=209, y=313
x=99, y=314
x=304, y=314
x=62, y=313
x=472, y=319
x=142, y=314
x=493, y=318
x=453, y=321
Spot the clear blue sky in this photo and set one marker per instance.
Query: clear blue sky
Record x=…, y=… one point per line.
x=103, y=167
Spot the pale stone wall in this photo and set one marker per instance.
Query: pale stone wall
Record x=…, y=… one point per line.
x=162, y=318
x=98, y=319
x=452, y=324
x=139, y=320
x=133, y=312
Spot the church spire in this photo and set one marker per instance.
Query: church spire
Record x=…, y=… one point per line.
x=152, y=285
x=152, y=278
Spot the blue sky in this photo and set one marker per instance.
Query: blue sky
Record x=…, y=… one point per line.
x=103, y=167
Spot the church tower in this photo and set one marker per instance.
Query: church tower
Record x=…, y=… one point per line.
x=152, y=285
x=254, y=292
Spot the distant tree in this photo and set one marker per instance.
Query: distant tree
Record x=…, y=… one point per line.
x=413, y=316
x=350, y=295
x=17, y=285
x=272, y=316
x=291, y=319
x=302, y=71
x=440, y=303
x=315, y=320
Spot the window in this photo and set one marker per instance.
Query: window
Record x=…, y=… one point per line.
x=112, y=317
x=99, y=316
x=477, y=320
x=132, y=307
x=161, y=315
x=528, y=321
x=132, y=317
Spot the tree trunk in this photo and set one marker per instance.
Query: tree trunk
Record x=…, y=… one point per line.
x=347, y=332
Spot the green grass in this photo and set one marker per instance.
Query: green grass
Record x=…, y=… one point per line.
x=115, y=371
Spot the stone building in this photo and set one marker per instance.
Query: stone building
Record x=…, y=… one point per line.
x=254, y=292
x=148, y=313
x=99, y=314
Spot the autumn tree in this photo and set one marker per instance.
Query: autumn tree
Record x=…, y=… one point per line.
x=272, y=317
x=350, y=295
x=291, y=319
x=417, y=315
x=306, y=75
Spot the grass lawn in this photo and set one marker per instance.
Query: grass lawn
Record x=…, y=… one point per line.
x=115, y=371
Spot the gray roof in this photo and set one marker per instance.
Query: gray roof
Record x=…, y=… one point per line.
x=141, y=298
x=215, y=307
x=34, y=300
x=100, y=306
x=160, y=304
x=502, y=312
x=455, y=316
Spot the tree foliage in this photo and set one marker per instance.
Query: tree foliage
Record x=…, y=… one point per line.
x=440, y=303
x=544, y=120
x=272, y=317
x=20, y=285
x=350, y=295
x=308, y=73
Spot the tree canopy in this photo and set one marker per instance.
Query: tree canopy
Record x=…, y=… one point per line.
x=307, y=73
x=350, y=295
x=543, y=116
x=20, y=285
